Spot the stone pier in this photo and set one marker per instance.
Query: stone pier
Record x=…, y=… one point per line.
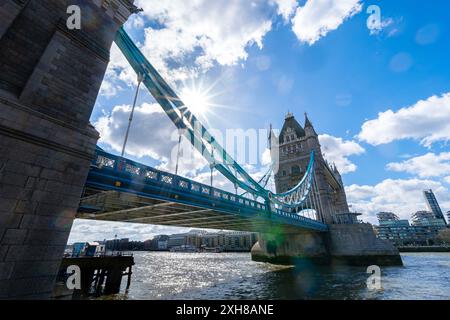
x=49, y=80
x=349, y=244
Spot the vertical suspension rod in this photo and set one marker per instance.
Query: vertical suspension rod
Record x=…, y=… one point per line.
x=140, y=78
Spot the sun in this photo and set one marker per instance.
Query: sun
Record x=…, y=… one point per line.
x=196, y=100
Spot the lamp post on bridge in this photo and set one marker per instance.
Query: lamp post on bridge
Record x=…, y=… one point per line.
x=140, y=78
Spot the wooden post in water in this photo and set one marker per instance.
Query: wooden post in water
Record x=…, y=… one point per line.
x=129, y=277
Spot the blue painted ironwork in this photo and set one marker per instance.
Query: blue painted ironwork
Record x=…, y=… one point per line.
x=113, y=173
x=184, y=120
x=201, y=139
x=298, y=194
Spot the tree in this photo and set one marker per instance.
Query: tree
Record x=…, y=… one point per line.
x=444, y=236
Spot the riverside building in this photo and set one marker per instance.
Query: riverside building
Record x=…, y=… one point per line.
x=233, y=241
x=422, y=232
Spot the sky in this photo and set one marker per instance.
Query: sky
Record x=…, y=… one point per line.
x=373, y=76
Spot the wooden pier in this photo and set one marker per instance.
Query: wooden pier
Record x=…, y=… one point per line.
x=99, y=276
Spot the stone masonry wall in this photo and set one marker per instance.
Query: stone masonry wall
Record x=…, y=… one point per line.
x=49, y=81
x=42, y=176
x=357, y=239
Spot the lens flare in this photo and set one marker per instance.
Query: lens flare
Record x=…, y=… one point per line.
x=197, y=101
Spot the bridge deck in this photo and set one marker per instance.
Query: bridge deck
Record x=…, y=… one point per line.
x=127, y=207
x=118, y=189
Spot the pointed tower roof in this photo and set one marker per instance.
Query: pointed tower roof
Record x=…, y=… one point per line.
x=291, y=123
x=307, y=122
x=272, y=137
x=309, y=128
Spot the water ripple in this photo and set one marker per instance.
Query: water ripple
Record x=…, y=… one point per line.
x=165, y=275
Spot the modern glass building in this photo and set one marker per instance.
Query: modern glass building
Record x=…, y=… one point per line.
x=423, y=231
x=387, y=218
x=428, y=219
x=393, y=229
x=433, y=204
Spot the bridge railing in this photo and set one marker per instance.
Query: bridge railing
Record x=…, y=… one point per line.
x=117, y=166
x=109, y=162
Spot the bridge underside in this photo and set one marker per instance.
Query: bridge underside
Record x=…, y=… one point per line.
x=119, y=206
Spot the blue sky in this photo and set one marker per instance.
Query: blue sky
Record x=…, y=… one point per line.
x=379, y=96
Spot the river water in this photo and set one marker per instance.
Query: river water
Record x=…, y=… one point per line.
x=192, y=276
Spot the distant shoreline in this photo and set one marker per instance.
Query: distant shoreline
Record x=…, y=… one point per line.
x=424, y=249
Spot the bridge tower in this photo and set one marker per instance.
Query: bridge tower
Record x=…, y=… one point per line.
x=347, y=240
x=49, y=80
x=295, y=144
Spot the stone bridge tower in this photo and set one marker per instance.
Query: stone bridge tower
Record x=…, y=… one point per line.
x=295, y=144
x=346, y=240
x=49, y=80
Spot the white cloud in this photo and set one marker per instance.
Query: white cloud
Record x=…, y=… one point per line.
x=89, y=230
x=149, y=125
x=137, y=21
x=318, y=17
x=426, y=166
x=266, y=158
x=426, y=120
x=286, y=8
x=152, y=134
x=337, y=150
x=447, y=179
x=219, y=181
x=118, y=71
x=187, y=38
x=403, y=197
x=203, y=31
x=109, y=89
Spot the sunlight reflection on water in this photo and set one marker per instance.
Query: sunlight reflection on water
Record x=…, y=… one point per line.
x=165, y=275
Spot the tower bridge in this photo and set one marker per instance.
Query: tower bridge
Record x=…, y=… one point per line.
x=49, y=81
x=119, y=189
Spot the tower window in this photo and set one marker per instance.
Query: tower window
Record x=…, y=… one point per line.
x=284, y=173
x=295, y=170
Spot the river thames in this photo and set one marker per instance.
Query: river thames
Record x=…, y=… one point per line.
x=196, y=276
